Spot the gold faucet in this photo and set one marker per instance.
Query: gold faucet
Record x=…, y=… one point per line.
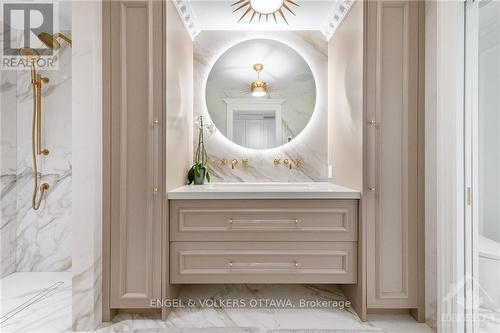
x=288, y=163
x=297, y=162
x=277, y=161
x=233, y=163
x=244, y=162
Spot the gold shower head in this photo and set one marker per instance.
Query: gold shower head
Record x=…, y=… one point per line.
x=29, y=54
x=51, y=41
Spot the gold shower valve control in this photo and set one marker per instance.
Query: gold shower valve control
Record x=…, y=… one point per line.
x=45, y=152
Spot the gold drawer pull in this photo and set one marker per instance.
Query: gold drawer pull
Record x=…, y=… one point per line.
x=263, y=224
x=294, y=265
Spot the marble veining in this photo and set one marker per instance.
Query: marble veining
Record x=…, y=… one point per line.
x=43, y=237
x=8, y=179
x=247, y=319
x=310, y=145
x=36, y=302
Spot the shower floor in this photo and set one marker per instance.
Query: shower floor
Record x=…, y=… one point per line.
x=35, y=302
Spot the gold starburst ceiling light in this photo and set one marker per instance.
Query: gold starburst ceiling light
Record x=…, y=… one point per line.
x=264, y=8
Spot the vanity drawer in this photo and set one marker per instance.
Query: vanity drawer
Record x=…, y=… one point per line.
x=263, y=220
x=263, y=262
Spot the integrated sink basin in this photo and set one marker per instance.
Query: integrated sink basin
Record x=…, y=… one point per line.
x=271, y=190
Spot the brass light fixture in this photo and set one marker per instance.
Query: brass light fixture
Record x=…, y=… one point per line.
x=258, y=88
x=264, y=8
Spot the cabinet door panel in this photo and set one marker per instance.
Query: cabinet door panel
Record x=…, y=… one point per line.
x=392, y=80
x=136, y=81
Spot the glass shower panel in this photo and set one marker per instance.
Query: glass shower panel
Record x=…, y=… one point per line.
x=488, y=171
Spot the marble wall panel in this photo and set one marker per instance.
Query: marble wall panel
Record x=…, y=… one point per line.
x=310, y=145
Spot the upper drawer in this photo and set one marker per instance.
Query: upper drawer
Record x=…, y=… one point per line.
x=263, y=220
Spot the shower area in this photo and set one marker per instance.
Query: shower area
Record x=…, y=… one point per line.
x=36, y=177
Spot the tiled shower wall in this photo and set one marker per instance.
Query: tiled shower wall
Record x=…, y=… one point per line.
x=36, y=240
x=8, y=171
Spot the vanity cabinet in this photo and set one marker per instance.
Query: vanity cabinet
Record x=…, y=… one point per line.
x=393, y=153
x=136, y=151
x=263, y=241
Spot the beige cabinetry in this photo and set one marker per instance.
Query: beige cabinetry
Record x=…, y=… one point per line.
x=393, y=153
x=136, y=149
x=263, y=241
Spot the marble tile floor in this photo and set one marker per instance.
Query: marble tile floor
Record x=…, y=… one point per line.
x=41, y=302
x=201, y=317
x=35, y=302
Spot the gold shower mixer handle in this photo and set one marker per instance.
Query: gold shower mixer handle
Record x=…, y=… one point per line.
x=45, y=79
x=44, y=152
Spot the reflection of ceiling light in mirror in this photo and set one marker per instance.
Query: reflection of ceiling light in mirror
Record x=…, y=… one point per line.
x=258, y=88
x=263, y=8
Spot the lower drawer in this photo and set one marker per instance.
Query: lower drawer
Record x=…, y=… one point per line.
x=263, y=262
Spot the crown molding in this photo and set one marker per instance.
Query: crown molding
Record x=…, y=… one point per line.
x=336, y=18
x=187, y=16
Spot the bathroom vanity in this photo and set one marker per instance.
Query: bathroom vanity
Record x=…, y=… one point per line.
x=264, y=124
x=263, y=233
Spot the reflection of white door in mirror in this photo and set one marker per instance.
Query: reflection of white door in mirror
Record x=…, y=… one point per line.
x=254, y=130
x=254, y=123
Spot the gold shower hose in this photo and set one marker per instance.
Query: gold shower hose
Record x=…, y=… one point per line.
x=36, y=139
x=31, y=55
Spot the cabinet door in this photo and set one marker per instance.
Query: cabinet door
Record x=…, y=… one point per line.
x=392, y=129
x=136, y=152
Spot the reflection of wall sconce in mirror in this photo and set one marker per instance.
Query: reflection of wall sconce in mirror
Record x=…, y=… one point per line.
x=258, y=88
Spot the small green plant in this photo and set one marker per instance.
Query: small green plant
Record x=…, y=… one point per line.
x=199, y=170
x=196, y=172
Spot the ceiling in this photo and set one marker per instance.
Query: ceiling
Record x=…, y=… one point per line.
x=319, y=15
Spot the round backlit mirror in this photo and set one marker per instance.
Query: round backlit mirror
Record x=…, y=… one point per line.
x=260, y=94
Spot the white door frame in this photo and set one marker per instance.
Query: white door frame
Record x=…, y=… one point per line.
x=450, y=181
x=253, y=104
x=471, y=162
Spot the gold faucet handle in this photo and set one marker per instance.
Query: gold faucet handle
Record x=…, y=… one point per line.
x=223, y=161
x=277, y=161
x=244, y=162
x=297, y=162
x=287, y=163
x=233, y=163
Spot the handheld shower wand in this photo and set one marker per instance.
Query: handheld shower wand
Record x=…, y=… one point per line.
x=31, y=56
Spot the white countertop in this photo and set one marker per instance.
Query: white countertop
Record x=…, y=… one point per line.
x=264, y=191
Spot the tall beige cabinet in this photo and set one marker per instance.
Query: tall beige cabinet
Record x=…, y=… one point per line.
x=393, y=154
x=136, y=136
